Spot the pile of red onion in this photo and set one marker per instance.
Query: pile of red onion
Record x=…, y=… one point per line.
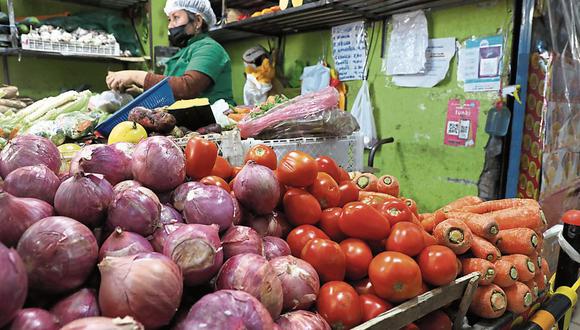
x=78, y=305
x=209, y=205
x=18, y=214
x=135, y=209
x=112, y=163
x=240, y=240
x=14, y=286
x=158, y=163
x=257, y=189
x=36, y=181
x=28, y=150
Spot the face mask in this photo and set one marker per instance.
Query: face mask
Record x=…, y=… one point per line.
x=178, y=37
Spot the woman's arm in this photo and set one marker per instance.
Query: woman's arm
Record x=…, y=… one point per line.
x=189, y=86
x=121, y=80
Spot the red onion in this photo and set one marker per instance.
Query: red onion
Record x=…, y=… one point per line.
x=254, y=274
x=208, y=205
x=64, y=176
x=36, y=181
x=302, y=320
x=78, y=305
x=169, y=214
x=257, y=188
x=102, y=159
x=124, y=185
x=18, y=214
x=14, y=284
x=146, y=286
x=273, y=224
x=34, y=319
x=59, y=254
x=179, y=195
x=197, y=251
x=28, y=150
x=125, y=147
x=238, y=212
x=275, y=247
x=227, y=309
x=159, y=164
x=123, y=243
x=84, y=197
x=241, y=239
x=104, y=323
x=161, y=234
x=165, y=197
x=135, y=209
x=300, y=282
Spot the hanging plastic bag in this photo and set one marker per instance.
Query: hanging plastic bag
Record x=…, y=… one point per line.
x=255, y=92
x=315, y=78
x=362, y=110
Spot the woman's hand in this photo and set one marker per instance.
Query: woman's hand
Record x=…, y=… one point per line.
x=122, y=80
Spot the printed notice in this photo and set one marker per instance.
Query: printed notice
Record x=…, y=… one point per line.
x=461, y=124
x=480, y=64
x=349, y=49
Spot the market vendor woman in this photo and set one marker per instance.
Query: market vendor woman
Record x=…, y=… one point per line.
x=201, y=68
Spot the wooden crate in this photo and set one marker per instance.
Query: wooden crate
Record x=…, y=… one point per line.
x=461, y=289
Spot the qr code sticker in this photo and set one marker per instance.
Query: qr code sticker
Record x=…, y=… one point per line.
x=453, y=128
x=464, y=129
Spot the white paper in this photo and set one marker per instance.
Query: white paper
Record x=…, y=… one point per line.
x=480, y=64
x=439, y=54
x=349, y=49
x=408, y=43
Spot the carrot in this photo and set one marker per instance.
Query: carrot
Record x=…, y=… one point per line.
x=518, y=217
x=388, y=184
x=533, y=286
x=540, y=242
x=526, y=268
x=517, y=241
x=366, y=182
x=506, y=273
x=482, y=266
x=546, y=268
x=454, y=234
x=536, y=259
x=479, y=224
x=415, y=220
x=430, y=222
x=428, y=239
x=411, y=204
x=519, y=298
x=386, y=197
x=489, y=302
x=461, y=203
x=541, y=280
x=483, y=249
x=422, y=216
x=500, y=204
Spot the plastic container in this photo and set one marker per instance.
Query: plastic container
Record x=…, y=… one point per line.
x=157, y=96
x=498, y=120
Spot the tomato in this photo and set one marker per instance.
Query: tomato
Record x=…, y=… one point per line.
x=329, y=223
x=396, y=277
x=438, y=265
x=436, y=320
x=301, y=208
x=328, y=165
x=412, y=205
x=407, y=238
x=222, y=168
x=377, y=246
x=359, y=220
x=395, y=211
x=213, y=180
x=263, y=155
x=326, y=257
x=236, y=170
x=572, y=217
x=344, y=176
x=325, y=190
x=348, y=193
x=358, y=258
x=424, y=288
x=339, y=305
x=410, y=326
x=372, y=306
x=297, y=169
x=364, y=287
x=300, y=235
x=200, y=157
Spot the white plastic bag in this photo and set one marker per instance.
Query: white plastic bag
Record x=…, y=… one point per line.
x=362, y=110
x=255, y=92
x=315, y=78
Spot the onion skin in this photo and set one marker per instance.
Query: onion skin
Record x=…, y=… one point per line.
x=14, y=286
x=275, y=247
x=161, y=234
x=28, y=150
x=112, y=163
x=197, y=250
x=238, y=211
x=59, y=254
x=179, y=195
x=124, y=147
x=300, y=282
x=169, y=215
x=240, y=240
x=207, y=205
x=253, y=274
x=136, y=210
x=146, y=286
x=273, y=224
x=18, y=214
x=78, y=305
x=34, y=319
x=159, y=164
x=104, y=323
x=123, y=243
x=84, y=197
x=36, y=181
x=302, y=320
x=257, y=188
x=124, y=185
x=227, y=309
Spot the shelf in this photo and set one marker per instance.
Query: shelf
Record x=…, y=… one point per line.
x=111, y=4
x=323, y=14
x=34, y=53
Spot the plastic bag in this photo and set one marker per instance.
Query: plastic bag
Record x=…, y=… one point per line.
x=362, y=110
x=315, y=78
x=48, y=129
x=109, y=101
x=76, y=125
x=255, y=92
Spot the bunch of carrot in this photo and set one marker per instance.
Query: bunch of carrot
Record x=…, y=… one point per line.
x=501, y=240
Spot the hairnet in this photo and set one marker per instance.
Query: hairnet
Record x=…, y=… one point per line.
x=201, y=7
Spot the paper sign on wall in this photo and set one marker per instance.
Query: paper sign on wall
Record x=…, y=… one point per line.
x=480, y=64
x=461, y=123
x=349, y=50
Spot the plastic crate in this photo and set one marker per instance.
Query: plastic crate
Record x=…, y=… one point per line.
x=69, y=48
x=159, y=95
x=229, y=145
